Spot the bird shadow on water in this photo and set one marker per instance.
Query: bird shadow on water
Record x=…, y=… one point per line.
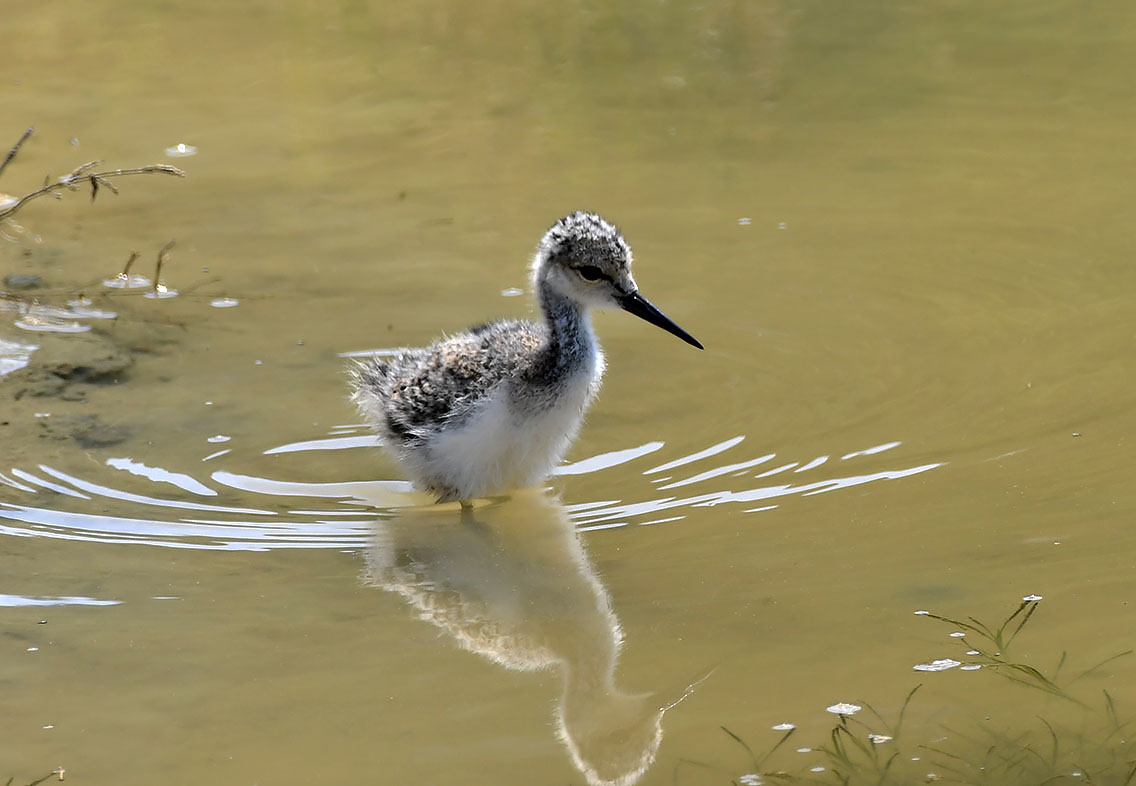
x=511, y=582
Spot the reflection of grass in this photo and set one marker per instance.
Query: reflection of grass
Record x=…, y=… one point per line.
x=1086, y=743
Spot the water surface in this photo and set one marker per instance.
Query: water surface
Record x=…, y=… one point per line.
x=901, y=231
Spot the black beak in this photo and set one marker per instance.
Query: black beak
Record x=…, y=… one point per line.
x=641, y=307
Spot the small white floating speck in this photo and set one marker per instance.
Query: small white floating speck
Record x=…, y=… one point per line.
x=49, y=726
x=1031, y=598
x=958, y=634
x=750, y=779
x=784, y=727
x=782, y=225
x=161, y=292
x=512, y=292
x=844, y=708
x=224, y=302
x=744, y=221
x=817, y=769
x=43, y=414
x=922, y=612
x=33, y=649
x=219, y=438
x=879, y=739
x=804, y=750
x=937, y=665
x=181, y=150
x=971, y=667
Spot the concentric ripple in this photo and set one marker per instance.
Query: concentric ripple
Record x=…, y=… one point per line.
x=132, y=502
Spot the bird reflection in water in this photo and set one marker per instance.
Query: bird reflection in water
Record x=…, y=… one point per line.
x=511, y=582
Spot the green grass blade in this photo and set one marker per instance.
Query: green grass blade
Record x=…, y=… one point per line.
x=981, y=628
x=1032, y=604
x=761, y=762
x=1087, y=672
x=740, y=741
x=1055, y=745
x=903, y=711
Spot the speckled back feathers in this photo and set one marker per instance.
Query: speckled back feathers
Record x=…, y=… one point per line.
x=419, y=391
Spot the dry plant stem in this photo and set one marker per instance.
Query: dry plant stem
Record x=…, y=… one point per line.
x=83, y=174
x=162, y=254
x=15, y=149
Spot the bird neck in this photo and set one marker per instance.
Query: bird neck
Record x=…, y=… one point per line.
x=571, y=343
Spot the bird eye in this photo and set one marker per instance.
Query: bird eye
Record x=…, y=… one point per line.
x=590, y=273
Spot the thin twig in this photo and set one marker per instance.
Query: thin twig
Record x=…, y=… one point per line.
x=15, y=149
x=82, y=174
x=126, y=270
x=163, y=252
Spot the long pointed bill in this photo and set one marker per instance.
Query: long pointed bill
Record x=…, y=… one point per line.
x=641, y=307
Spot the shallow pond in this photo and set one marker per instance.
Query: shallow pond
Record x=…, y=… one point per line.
x=902, y=231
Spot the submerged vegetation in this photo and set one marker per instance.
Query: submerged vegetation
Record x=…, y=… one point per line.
x=1085, y=742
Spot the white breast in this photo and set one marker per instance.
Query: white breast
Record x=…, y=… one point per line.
x=500, y=447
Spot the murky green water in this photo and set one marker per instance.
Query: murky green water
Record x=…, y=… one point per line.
x=903, y=232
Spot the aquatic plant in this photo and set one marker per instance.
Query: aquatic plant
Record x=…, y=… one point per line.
x=1086, y=745
x=57, y=771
